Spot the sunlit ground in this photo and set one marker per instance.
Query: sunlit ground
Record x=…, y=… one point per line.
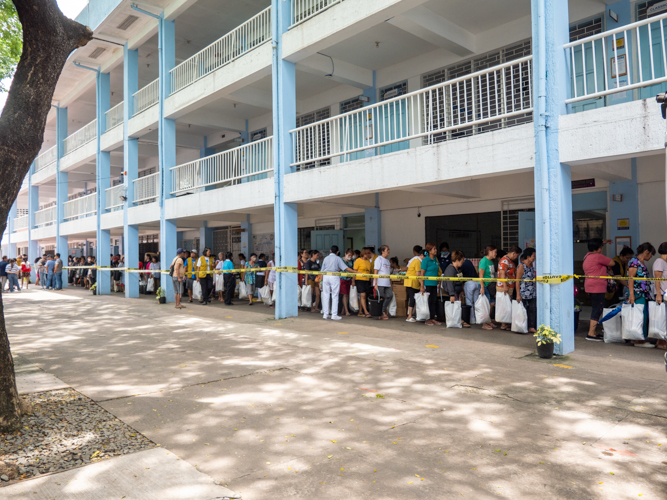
x=305, y=408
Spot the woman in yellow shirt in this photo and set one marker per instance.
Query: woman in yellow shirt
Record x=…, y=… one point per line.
x=363, y=266
x=205, y=265
x=413, y=285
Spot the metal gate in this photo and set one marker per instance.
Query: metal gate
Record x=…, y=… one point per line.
x=221, y=241
x=510, y=219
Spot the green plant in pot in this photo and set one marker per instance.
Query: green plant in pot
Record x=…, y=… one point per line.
x=546, y=338
x=160, y=296
x=94, y=289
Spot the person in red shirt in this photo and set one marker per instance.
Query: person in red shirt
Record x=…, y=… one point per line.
x=507, y=270
x=25, y=271
x=596, y=264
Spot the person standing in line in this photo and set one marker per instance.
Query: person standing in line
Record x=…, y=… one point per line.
x=596, y=264
x=242, y=261
x=272, y=275
x=413, y=285
x=454, y=270
x=50, y=266
x=331, y=284
x=41, y=270
x=58, y=272
x=660, y=272
x=345, y=282
x=430, y=268
x=313, y=265
x=444, y=257
x=620, y=268
x=3, y=272
x=178, y=276
x=301, y=265
x=155, y=266
x=229, y=279
x=13, y=271
x=507, y=270
x=640, y=290
x=205, y=265
x=526, y=292
x=190, y=272
x=382, y=286
x=249, y=277
x=357, y=255
x=219, y=277
x=25, y=272
x=470, y=287
x=260, y=279
x=363, y=266
x=487, y=269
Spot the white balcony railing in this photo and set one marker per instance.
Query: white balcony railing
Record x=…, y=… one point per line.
x=112, y=197
x=47, y=158
x=618, y=60
x=228, y=167
x=234, y=44
x=147, y=97
x=81, y=137
x=21, y=223
x=491, y=95
x=146, y=188
x=80, y=207
x=115, y=116
x=302, y=10
x=45, y=217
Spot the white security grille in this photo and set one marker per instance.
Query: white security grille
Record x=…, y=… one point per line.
x=81, y=137
x=302, y=10
x=80, y=207
x=146, y=188
x=21, y=223
x=146, y=97
x=112, y=197
x=45, y=217
x=47, y=158
x=115, y=116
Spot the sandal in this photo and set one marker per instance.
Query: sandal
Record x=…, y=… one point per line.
x=465, y=325
x=504, y=328
x=368, y=315
x=487, y=327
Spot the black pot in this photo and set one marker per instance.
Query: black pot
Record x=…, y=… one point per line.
x=545, y=351
x=163, y=300
x=94, y=292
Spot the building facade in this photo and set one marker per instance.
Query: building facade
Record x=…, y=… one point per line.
x=274, y=125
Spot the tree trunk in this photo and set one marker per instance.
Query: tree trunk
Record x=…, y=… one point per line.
x=48, y=39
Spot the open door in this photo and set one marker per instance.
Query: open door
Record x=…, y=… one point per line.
x=527, y=229
x=324, y=240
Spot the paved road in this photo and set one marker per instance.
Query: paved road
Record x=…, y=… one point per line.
x=306, y=408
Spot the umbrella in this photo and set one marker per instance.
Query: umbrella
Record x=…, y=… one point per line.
x=610, y=315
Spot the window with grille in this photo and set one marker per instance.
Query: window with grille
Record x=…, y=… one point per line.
x=317, y=142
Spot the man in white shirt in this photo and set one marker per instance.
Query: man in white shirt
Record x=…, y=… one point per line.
x=331, y=284
x=382, y=286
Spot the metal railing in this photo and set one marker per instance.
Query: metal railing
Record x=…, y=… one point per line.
x=81, y=137
x=80, y=207
x=45, y=217
x=228, y=167
x=47, y=158
x=487, y=96
x=112, y=197
x=233, y=45
x=618, y=60
x=21, y=222
x=115, y=116
x=146, y=97
x=302, y=10
x=146, y=188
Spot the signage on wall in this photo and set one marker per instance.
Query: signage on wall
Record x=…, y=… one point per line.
x=583, y=183
x=623, y=224
x=656, y=9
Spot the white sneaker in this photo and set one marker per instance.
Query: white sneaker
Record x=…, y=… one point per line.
x=326, y=317
x=336, y=318
x=411, y=320
x=646, y=345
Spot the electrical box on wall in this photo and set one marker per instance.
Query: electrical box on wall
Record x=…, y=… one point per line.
x=617, y=197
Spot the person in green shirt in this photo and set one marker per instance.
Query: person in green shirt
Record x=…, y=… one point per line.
x=431, y=267
x=487, y=269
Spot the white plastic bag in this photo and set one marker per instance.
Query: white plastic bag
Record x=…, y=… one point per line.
x=657, y=320
x=392, y=308
x=354, y=299
x=265, y=294
x=298, y=300
x=482, y=310
x=519, y=318
x=219, y=285
x=453, y=314
x=613, y=329
x=633, y=321
x=503, y=308
x=307, y=296
x=421, y=307
x=196, y=290
x=150, y=286
x=243, y=290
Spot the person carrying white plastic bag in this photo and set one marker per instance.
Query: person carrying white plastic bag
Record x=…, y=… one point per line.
x=503, y=307
x=306, y=296
x=421, y=307
x=150, y=286
x=612, y=328
x=453, y=314
x=519, y=318
x=196, y=290
x=657, y=320
x=243, y=292
x=354, y=299
x=482, y=310
x=633, y=321
x=265, y=293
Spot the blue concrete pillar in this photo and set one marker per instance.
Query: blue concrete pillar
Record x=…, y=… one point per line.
x=626, y=209
x=61, y=187
x=33, y=206
x=246, y=238
x=103, y=183
x=205, y=237
x=130, y=169
x=167, y=151
x=373, y=224
x=13, y=250
x=553, y=183
x=206, y=151
x=284, y=120
x=372, y=94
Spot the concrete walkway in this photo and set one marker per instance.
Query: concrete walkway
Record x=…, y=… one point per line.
x=307, y=408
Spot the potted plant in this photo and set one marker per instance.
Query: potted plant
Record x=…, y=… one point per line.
x=94, y=289
x=546, y=338
x=160, y=296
